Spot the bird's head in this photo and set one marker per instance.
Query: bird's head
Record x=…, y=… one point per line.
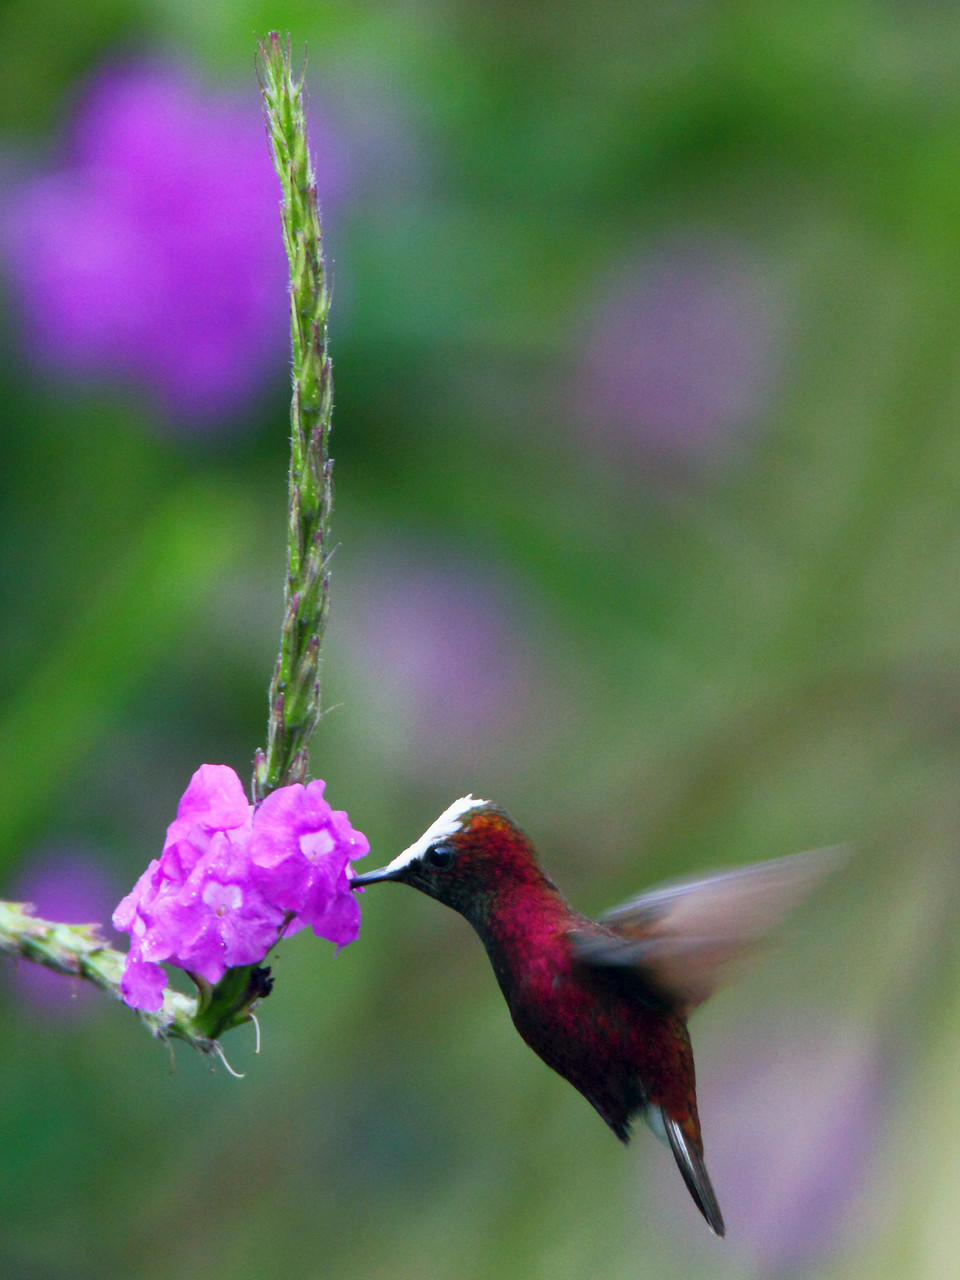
x=466, y=859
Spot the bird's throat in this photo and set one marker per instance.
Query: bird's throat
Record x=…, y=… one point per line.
x=524, y=929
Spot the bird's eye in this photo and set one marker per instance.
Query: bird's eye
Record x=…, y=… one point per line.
x=439, y=856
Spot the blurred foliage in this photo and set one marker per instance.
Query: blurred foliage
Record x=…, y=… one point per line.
x=710, y=655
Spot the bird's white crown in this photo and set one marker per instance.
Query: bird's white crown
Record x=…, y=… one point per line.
x=448, y=824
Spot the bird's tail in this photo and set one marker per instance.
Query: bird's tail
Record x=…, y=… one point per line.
x=690, y=1163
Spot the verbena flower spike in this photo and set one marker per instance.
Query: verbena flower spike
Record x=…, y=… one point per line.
x=234, y=876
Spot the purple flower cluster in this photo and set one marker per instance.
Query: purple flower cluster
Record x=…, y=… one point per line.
x=231, y=878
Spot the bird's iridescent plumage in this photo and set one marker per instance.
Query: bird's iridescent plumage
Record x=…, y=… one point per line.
x=604, y=1002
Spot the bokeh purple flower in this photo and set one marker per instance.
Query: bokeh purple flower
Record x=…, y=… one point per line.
x=231, y=879
x=439, y=648
x=152, y=253
x=71, y=884
x=790, y=1122
x=680, y=350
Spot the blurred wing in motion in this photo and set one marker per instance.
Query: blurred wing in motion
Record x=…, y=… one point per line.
x=671, y=944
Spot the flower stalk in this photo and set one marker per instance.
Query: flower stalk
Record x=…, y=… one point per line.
x=234, y=877
x=294, y=697
x=78, y=951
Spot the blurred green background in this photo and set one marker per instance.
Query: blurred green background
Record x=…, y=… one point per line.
x=646, y=334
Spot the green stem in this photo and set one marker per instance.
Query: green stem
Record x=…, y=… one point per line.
x=231, y=1002
x=294, y=698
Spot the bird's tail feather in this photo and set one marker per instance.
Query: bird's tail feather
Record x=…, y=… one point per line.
x=690, y=1163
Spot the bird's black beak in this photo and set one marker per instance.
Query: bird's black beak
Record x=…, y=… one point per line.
x=372, y=877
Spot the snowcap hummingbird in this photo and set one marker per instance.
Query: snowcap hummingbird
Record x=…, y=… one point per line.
x=604, y=1003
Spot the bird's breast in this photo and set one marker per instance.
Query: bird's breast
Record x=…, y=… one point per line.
x=619, y=1053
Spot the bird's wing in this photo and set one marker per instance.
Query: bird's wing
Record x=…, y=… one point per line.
x=673, y=942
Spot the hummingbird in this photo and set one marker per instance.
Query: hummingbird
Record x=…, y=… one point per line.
x=604, y=1002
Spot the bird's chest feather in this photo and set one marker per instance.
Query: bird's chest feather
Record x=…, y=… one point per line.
x=617, y=1052
x=562, y=1017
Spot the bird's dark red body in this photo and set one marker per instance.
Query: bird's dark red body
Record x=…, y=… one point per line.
x=618, y=1052
x=603, y=1003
